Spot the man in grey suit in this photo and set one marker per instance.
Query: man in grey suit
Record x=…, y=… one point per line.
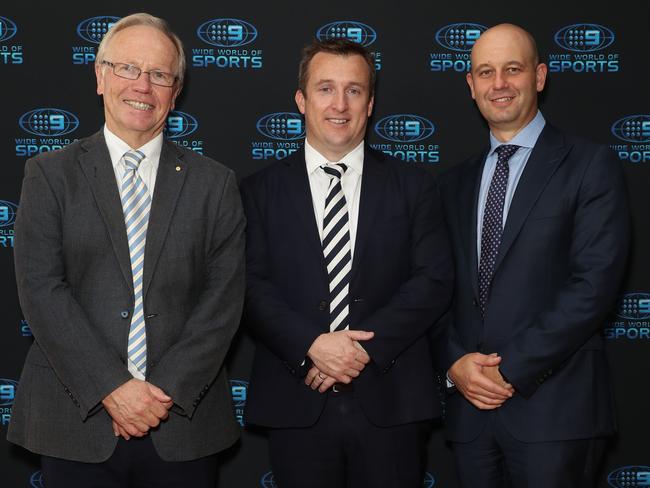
x=129, y=264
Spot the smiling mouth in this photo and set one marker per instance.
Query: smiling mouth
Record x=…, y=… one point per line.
x=138, y=105
x=338, y=121
x=502, y=99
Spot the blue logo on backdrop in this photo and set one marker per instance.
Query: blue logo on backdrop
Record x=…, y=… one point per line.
x=584, y=37
x=404, y=128
x=629, y=476
x=268, y=480
x=585, y=43
x=7, y=213
x=635, y=130
x=460, y=38
x=348, y=29
x=429, y=480
x=36, y=480
x=402, y=131
x=228, y=36
x=7, y=218
x=9, y=53
x=239, y=391
x=94, y=28
x=632, y=319
x=91, y=30
x=227, y=32
x=25, y=331
x=7, y=29
x=283, y=126
x=287, y=130
x=49, y=124
x=179, y=126
x=7, y=395
x=352, y=31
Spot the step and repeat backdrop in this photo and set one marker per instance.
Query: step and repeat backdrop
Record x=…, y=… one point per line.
x=237, y=107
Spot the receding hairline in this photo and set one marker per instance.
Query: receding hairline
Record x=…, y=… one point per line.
x=513, y=28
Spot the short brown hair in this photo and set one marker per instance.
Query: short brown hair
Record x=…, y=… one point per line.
x=339, y=47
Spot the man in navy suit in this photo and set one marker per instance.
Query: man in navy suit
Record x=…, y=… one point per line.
x=348, y=267
x=540, y=229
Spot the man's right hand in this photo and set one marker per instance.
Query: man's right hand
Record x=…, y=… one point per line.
x=475, y=385
x=337, y=355
x=135, y=407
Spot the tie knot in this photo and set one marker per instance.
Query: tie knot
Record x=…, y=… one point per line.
x=132, y=159
x=505, y=151
x=335, y=170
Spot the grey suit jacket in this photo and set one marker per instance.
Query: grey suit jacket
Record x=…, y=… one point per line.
x=76, y=292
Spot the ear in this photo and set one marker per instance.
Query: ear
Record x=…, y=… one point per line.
x=371, y=104
x=540, y=76
x=177, y=91
x=470, y=82
x=300, y=101
x=99, y=74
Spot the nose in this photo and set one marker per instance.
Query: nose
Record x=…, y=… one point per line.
x=340, y=101
x=143, y=84
x=500, y=81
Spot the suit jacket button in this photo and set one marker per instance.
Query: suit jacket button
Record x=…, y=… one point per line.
x=124, y=314
x=323, y=305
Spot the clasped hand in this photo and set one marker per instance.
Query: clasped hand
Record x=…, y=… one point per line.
x=337, y=357
x=135, y=407
x=478, y=379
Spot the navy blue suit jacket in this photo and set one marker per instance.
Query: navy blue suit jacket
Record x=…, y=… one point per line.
x=401, y=284
x=557, y=273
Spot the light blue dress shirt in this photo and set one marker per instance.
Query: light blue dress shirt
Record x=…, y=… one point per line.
x=526, y=138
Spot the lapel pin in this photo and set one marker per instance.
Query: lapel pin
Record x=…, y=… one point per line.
x=178, y=168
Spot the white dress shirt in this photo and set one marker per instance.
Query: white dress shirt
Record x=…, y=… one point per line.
x=319, y=183
x=148, y=170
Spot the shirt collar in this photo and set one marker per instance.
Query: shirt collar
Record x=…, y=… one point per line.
x=117, y=147
x=526, y=137
x=353, y=160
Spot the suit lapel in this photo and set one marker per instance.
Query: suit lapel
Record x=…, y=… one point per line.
x=299, y=193
x=548, y=153
x=372, y=184
x=468, y=195
x=169, y=181
x=96, y=165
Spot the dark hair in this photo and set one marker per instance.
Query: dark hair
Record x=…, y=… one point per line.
x=339, y=47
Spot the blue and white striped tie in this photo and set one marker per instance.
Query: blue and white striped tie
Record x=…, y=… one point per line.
x=136, y=204
x=337, y=248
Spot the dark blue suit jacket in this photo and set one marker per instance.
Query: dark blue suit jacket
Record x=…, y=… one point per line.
x=401, y=284
x=557, y=273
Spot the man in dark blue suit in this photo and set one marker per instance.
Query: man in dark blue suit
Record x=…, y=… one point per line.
x=348, y=267
x=540, y=229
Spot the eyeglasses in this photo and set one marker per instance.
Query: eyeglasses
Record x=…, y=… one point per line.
x=130, y=72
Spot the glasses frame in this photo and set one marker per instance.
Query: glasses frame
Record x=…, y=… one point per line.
x=114, y=66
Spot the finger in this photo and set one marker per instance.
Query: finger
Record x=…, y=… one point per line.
x=311, y=374
x=483, y=406
x=490, y=387
x=326, y=385
x=158, y=394
x=159, y=411
x=124, y=433
x=360, y=335
x=116, y=429
x=486, y=359
x=316, y=383
x=487, y=400
x=134, y=430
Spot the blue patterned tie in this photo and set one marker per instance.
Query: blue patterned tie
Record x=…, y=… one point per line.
x=493, y=222
x=136, y=204
x=337, y=248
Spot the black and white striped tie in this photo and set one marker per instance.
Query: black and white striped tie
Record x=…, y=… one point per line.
x=337, y=249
